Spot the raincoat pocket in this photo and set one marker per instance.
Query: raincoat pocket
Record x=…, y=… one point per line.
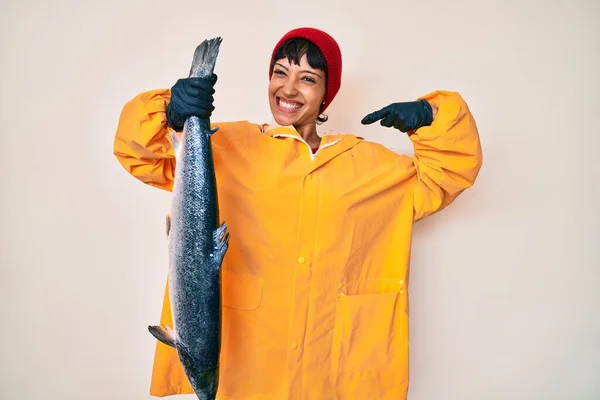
x=368, y=332
x=241, y=301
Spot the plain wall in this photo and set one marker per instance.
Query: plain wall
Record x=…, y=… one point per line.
x=504, y=283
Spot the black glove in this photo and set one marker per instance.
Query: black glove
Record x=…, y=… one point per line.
x=405, y=117
x=190, y=96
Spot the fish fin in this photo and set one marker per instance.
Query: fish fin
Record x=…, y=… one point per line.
x=168, y=224
x=175, y=139
x=163, y=333
x=213, y=131
x=221, y=242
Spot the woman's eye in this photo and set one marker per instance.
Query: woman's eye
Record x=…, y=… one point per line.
x=279, y=72
x=309, y=79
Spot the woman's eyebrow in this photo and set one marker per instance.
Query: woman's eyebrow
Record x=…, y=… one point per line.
x=311, y=72
x=307, y=71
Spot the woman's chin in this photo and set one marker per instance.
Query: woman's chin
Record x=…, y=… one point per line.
x=284, y=119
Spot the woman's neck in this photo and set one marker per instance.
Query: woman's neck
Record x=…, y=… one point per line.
x=309, y=134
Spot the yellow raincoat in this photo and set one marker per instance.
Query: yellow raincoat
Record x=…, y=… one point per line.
x=314, y=290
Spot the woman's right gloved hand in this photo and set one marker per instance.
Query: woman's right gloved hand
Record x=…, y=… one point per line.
x=190, y=96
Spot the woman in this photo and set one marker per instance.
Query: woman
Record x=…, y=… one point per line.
x=314, y=281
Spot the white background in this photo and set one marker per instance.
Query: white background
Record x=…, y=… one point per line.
x=504, y=283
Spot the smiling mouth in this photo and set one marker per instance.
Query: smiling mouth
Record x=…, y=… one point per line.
x=289, y=106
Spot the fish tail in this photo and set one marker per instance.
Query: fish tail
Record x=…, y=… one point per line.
x=205, y=57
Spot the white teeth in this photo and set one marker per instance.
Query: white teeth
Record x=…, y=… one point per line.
x=288, y=105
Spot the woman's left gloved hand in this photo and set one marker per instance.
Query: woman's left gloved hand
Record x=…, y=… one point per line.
x=407, y=116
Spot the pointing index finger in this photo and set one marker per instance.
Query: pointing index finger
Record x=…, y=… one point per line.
x=375, y=116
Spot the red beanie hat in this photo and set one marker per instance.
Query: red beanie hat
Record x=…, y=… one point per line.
x=331, y=52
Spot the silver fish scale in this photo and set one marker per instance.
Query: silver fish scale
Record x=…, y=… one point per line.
x=195, y=272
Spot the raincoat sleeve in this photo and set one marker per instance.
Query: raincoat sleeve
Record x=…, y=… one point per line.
x=141, y=142
x=447, y=154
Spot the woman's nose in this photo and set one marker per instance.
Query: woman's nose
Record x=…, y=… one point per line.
x=289, y=88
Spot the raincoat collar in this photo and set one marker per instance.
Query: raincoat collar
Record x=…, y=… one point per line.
x=275, y=130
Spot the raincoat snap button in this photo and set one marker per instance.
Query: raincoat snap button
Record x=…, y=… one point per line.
x=301, y=260
x=294, y=345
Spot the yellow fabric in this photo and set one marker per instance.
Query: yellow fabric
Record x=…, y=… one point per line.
x=315, y=279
